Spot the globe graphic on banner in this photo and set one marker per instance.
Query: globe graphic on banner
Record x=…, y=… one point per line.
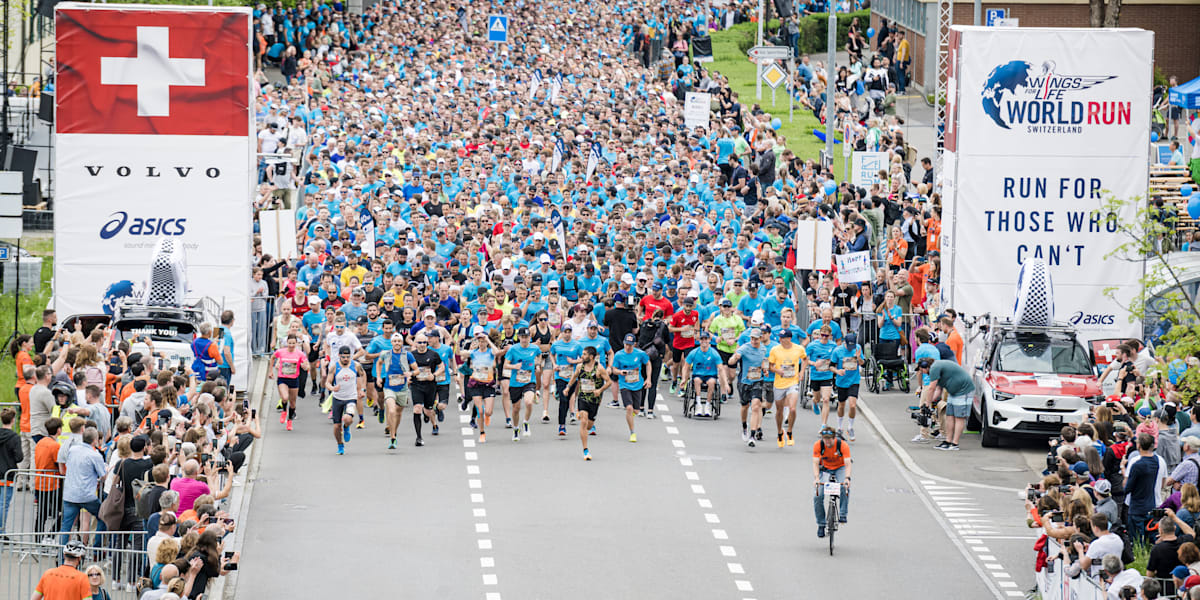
x=1005, y=78
x=114, y=294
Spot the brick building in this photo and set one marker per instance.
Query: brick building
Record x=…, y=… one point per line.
x=1175, y=23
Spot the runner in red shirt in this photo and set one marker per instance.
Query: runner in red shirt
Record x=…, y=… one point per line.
x=683, y=337
x=656, y=300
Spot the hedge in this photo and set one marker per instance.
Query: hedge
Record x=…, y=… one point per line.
x=813, y=31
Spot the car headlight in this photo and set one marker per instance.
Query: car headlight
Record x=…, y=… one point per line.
x=1002, y=396
x=1095, y=399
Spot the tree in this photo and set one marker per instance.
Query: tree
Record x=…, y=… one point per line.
x=1104, y=13
x=1163, y=296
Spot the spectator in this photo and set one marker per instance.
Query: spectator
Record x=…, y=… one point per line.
x=166, y=526
x=1145, y=472
x=41, y=403
x=1188, y=469
x=1105, y=505
x=1164, y=555
x=47, y=484
x=1105, y=543
x=96, y=582
x=188, y=486
x=1116, y=577
x=84, y=468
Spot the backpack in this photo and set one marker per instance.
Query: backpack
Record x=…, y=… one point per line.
x=141, y=496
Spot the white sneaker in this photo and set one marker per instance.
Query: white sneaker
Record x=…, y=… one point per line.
x=940, y=436
x=745, y=435
x=920, y=439
x=850, y=434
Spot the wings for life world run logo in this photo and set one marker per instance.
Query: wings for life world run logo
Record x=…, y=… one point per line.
x=1016, y=96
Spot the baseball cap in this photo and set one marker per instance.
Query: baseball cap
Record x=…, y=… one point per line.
x=630, y=339
x=1102, y=487
x=480, y=332
x=545, y=259
x=786, y=333
x=344, y=350
x=755, y=332
x=430, y=313
x=362, y=320
x=1192, y=581
x=397, y=337
x=523, y=331
x=138, y=443
x=727, y=302
x=657, y=287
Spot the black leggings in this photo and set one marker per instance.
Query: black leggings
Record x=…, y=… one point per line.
x=564, y=400
x=655, y=373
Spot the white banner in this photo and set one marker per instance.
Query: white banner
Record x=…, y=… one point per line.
x=277, y=232
x=697, y=108
x=866, y=166
x=814, y=245
x=1051, y=123
x=854, y=267
x=154, y=140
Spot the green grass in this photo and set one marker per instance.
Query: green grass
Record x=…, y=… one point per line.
x=31, y=310
x=731, y=62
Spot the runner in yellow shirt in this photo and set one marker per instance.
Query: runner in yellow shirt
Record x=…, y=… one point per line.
x=786, y=361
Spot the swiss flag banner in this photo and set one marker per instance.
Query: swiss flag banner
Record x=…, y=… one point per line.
x=154, y=70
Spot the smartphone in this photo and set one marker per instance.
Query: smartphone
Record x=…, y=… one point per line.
x=204, y=458
x=228, y=555
x=245, y=403
x=254, y=413
x=178, y=446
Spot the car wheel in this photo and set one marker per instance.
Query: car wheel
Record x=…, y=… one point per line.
x=990, y=437
x=974, y=422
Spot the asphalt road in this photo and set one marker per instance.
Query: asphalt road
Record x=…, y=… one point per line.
x=686, y=512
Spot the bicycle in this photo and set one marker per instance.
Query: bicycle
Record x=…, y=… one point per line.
x=833, y=494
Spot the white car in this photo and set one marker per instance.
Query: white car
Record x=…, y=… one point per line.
x=1031, y=381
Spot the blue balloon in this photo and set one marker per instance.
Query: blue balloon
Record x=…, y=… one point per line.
x=870, y=32
x=776, y=123
x=1185, y=190
x=859, y=88
x=1194, y=206
x=830, y=188
x=1153, y=136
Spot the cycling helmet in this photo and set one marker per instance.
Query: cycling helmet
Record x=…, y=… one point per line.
x=75, y=548
x=65, y=388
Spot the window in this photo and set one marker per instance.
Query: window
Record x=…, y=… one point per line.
x=909, y=13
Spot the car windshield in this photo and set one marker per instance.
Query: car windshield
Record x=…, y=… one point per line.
x=1042, y=354
x=159, y=331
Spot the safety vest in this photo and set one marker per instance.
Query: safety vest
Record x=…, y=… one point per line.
x=203, y=362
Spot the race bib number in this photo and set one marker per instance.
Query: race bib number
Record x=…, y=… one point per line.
x=425, y=373
x=822, y=364
x=565, y=371
x=524, y=376
x=850, y=364
x=587, y=386
x=506, y=373
x=632, y=376
x=289, y=369
x=788, y=370
x=482, y=373
x=754, y=373
x=688, y=332
x=395, y=380
x=555, y=318
x=727, y=336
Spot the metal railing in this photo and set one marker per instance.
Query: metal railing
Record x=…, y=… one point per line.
x=24, y=557
x=39, y=504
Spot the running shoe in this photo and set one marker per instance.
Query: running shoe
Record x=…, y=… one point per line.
x=474, y=425
x=282, y=417
x=516, y=435
x=441, y=415
x=426, y=417
x=592, y=431
x=420, y=442
x=842, y=520
x=642, y=414
x=507, y=423
x=545, y=417
x=574, y=421
x=562, y=431
x=750, y=442
x=392, y=444
x=816, y=407
x=943, y=446
x=360, y=425
x=780, y=440
x=346, y=434
x=745, y=435
x=587, y=455
x=758, y=434
x=462, y=402
x=379, y=415
x=850, y=434
x=920, y=439
x=953, y=448
x=327, y=405
x=614, y=404
x=649, y=414
x=279, y=406
x=633, y=437
x=370, y=402
x=527, y=431
x=482, y=437
x=435, y=429
x=820, y=531
x=300, y=394
x=341, y=449
x=289, y=425
x=791, y=439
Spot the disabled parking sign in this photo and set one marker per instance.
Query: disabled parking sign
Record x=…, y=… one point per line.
x=498, y=29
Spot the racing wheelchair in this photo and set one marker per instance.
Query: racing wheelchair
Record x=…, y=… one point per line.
x=886, y=365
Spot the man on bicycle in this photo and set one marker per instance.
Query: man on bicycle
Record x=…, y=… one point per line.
x=831, y=461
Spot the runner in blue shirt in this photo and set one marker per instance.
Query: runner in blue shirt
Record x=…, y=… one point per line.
x=701, y=365
x=752, y=358
x=394, y=365
x=565, y=354
x=848, y=359
x=439, y=342
x=522, y=359
x=632, y=367
x=820, y=374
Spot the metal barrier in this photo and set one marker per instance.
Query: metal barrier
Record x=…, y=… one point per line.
x=30, y=510
x=24, y=557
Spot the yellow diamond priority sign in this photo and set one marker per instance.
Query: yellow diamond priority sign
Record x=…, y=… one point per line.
x=774, y=76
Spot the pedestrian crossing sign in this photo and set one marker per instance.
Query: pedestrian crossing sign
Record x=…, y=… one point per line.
x=498, y=29
x=773, y=75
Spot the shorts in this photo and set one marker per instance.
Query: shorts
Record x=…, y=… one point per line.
x=314, y=355
x=402, y=398
x=516, y=393
x=481, y=391
x=443, y=394
x=423, y=397
x=370, y=373
x=725, y=356
x=293, y=383
x=343, y=407
x=959, y=406
x=843, y=393
x=591, y=408
x=816, y=384
x=677, y=353
x=748, y=391
x=1176, y=113
x=704, y=378
x=632, y=398
x=781, y=393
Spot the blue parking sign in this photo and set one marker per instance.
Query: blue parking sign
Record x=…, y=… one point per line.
x=498, y=29
x=991, y=15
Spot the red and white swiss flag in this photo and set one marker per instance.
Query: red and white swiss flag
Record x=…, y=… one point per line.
x=152, y=71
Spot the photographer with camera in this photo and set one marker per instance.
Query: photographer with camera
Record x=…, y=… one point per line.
x=1087, y=556
x=1164, y=555
x=1118, y=580
x=948, y=375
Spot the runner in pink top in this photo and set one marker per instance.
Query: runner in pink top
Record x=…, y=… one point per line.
x=288, y=363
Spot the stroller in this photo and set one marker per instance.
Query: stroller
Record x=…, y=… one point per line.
x=887, y=367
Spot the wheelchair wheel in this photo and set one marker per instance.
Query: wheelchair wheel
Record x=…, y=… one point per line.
x=903, y=374
x=805, y=393
x=689, y=400
x=874, y=375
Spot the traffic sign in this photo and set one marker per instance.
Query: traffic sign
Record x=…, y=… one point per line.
x=774, y=76
x=3, y=253
x=764, y=53
x=498, y=29
x=991, y=15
